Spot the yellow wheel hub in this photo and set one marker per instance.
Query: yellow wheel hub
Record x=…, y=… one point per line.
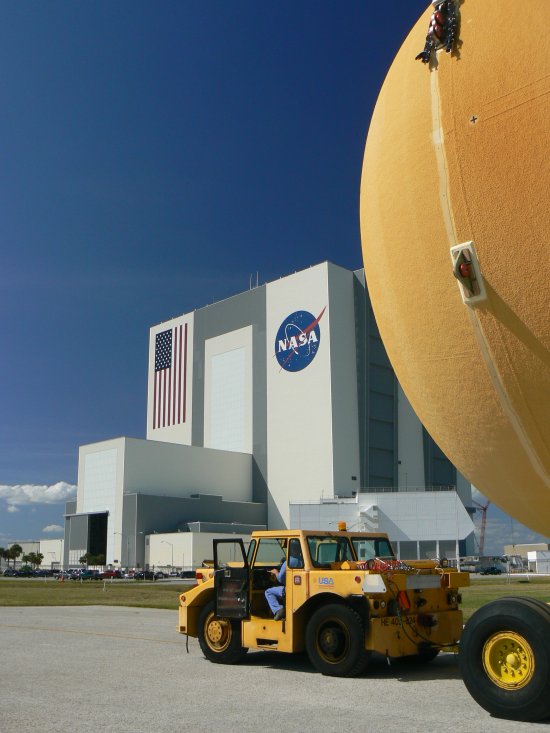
x=508, y=660
x=218, y=633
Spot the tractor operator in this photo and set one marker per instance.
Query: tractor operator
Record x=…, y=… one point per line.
x=276, y=594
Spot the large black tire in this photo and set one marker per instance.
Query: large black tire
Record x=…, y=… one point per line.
x=335, y=641
x=505, y=658
x=220, y=638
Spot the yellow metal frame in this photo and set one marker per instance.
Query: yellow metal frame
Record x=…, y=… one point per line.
x=433, y=617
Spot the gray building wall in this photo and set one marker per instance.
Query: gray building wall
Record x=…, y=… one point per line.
x=246, y=309
x=76, y=538
x=145, y=514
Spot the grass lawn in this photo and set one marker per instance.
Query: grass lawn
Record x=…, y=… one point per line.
x=22, y=592
x=51, y=592
x=483, y=590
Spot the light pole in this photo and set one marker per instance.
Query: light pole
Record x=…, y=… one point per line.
x=172, y=547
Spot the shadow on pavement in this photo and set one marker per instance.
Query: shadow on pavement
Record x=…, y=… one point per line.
x=444, y=667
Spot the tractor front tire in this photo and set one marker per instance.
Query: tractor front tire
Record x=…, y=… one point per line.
x=335, y=641
x=505, y=658
x=220, y=638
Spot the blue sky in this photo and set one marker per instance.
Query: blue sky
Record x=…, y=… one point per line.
x=155, y=156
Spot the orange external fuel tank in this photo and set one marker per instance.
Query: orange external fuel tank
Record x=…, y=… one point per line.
x=457, y=152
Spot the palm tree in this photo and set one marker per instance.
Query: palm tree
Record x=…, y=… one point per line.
x=34, y=558
x=14, y=551
x=2, y=555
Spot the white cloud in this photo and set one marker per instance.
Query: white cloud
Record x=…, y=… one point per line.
x=53, y=528
x=28, y=494
x=12, y=508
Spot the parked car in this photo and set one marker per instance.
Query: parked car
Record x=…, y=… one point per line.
x=490, y=570
x=148, y=575
x=9, y=573
x=86, y=575
x=25, y=572
x=110, y=574
x=187, y=574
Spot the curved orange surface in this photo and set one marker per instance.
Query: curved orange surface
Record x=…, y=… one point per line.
x=458, y=152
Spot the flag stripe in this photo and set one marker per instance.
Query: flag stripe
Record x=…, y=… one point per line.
x=173, y=379
x=179, y=376
x=170, y=378
x=155, y=402
x=185, y=378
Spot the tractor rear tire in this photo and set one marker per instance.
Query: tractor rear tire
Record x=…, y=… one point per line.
x=220, y=638
x=505, y=658
x=335, y=641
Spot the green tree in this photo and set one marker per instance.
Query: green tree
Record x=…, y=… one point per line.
x=2, y=555
x=87, y=559
x=14, y=552
x=34, y=558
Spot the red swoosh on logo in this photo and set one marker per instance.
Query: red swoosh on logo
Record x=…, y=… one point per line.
x=306, y=330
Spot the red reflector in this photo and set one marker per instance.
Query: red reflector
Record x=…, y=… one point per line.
x=403, y=600
x=199, y=576
x=465, y=269
x=357, y=579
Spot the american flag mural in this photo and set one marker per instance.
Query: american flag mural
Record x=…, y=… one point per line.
x=169, y=391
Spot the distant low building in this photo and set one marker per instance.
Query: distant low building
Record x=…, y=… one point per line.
x=421, y=523
x=52, y=550
x=524, y=550
x=539, y=561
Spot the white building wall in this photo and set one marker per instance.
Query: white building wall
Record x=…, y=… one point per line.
x=435, y=518
x=170, y=390
x=100, y=486
x=539, y=562
x=422, y=516
x=299, y=419
x=27, y=547
x=228, y=391
x=52, y=551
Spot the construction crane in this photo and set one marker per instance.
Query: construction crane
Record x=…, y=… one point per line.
x=483, y=509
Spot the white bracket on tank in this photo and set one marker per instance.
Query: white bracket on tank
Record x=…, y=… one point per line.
x=472, y=288
x=374, y=584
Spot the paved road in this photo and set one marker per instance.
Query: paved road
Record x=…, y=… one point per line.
x=126, y=670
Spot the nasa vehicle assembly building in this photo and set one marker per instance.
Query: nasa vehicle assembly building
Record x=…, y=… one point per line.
x=277, y=406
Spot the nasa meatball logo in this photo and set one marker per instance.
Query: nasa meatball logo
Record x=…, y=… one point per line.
x=297, y=340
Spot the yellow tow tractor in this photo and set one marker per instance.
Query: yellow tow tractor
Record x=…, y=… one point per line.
x=345, y=597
